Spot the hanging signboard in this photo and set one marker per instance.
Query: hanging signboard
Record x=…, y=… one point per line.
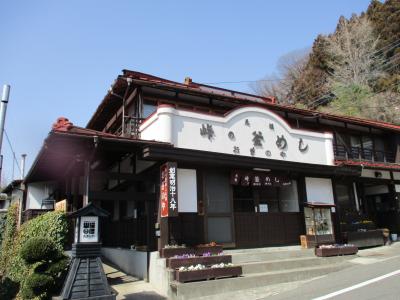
x=169, y=190
x=258, y=179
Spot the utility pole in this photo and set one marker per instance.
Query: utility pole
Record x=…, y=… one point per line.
x=3, y=110
x=23, y=160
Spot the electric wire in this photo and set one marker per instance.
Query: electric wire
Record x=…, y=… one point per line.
x=15, y=161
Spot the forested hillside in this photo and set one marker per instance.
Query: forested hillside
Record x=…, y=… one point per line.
x=353, y=71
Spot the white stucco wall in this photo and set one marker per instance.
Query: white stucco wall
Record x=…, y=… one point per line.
x=38, y=191
x=187, y=191
x=182, y=128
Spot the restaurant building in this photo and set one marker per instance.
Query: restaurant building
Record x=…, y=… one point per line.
x=189, y=163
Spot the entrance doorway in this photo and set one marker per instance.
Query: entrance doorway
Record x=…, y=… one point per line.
x=266, y=216
x=381, y=206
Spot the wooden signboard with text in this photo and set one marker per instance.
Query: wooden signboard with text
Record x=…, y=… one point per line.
x=169, y=190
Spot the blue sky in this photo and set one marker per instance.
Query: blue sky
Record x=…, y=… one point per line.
x=60, y=57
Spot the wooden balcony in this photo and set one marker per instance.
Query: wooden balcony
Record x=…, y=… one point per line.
x=357, y=153
x=131, y=128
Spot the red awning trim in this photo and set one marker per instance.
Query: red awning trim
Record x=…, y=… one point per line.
x=372, y=165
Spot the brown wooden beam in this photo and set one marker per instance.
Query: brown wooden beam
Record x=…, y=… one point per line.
x=116, y=196
x=118, y=114
x=124, y=176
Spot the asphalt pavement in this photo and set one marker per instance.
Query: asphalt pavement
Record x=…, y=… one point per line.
x=375, y=275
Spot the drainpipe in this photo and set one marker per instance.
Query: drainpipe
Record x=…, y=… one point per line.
x=3, y=109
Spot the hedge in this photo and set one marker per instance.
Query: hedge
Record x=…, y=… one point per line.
x=8, y=244
x=3, y=220
x=51, y=226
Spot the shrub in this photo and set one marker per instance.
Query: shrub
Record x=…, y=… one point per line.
x=10, y=232
x=58, y=268
x=52, y=225
x=39, y=249
x=8, y=288
x=36, y=285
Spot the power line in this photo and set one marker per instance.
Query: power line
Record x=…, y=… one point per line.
x=15, y=161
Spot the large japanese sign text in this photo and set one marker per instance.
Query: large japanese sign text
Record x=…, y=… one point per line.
x=169, y=190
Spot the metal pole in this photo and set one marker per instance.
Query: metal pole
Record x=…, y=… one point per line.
x=23, y=159
x=3, y=109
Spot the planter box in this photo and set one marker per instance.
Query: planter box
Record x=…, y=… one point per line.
x=175, y=263
x=199, y=250
x=368, y=238
x=171, y=252
x=324, y=252
x=206, y=274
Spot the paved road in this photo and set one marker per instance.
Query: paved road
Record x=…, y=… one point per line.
x=375, y=276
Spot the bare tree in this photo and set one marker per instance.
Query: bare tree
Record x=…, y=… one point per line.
x=280, y=85
x=352, y=51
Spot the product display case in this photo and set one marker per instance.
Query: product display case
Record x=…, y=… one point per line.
x=318, y=223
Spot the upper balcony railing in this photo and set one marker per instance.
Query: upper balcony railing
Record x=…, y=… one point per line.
x=132, y=125
x=357, y=153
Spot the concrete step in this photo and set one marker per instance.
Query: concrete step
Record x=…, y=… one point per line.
x=266, y=255
x=192, y=290
x=290, y=263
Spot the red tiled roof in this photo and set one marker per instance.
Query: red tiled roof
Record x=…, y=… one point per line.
x=372, y=165
x=206, y=90
x=64, y=126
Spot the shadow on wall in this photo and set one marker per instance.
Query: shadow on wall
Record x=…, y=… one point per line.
x=144, y=296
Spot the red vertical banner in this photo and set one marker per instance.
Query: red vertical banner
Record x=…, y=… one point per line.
x=164, y=190
x=169, y=190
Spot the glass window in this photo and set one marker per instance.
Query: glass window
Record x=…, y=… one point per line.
x=243, y=199
x=269, y=197
x=367, y=142
x=379, y=149
x=367, y=147
x=219, y=229
x=288, y=197
x=148, y=109
x=355, y=143
x=218, y=192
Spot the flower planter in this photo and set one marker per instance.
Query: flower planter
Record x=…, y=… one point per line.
x=205, y=274
x=175, y=263
x=324, y=252
x=171, y=252
x=200, y=250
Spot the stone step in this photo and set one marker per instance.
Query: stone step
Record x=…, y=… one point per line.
x=290, y=263
x=256, y=256
x=192, y=290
